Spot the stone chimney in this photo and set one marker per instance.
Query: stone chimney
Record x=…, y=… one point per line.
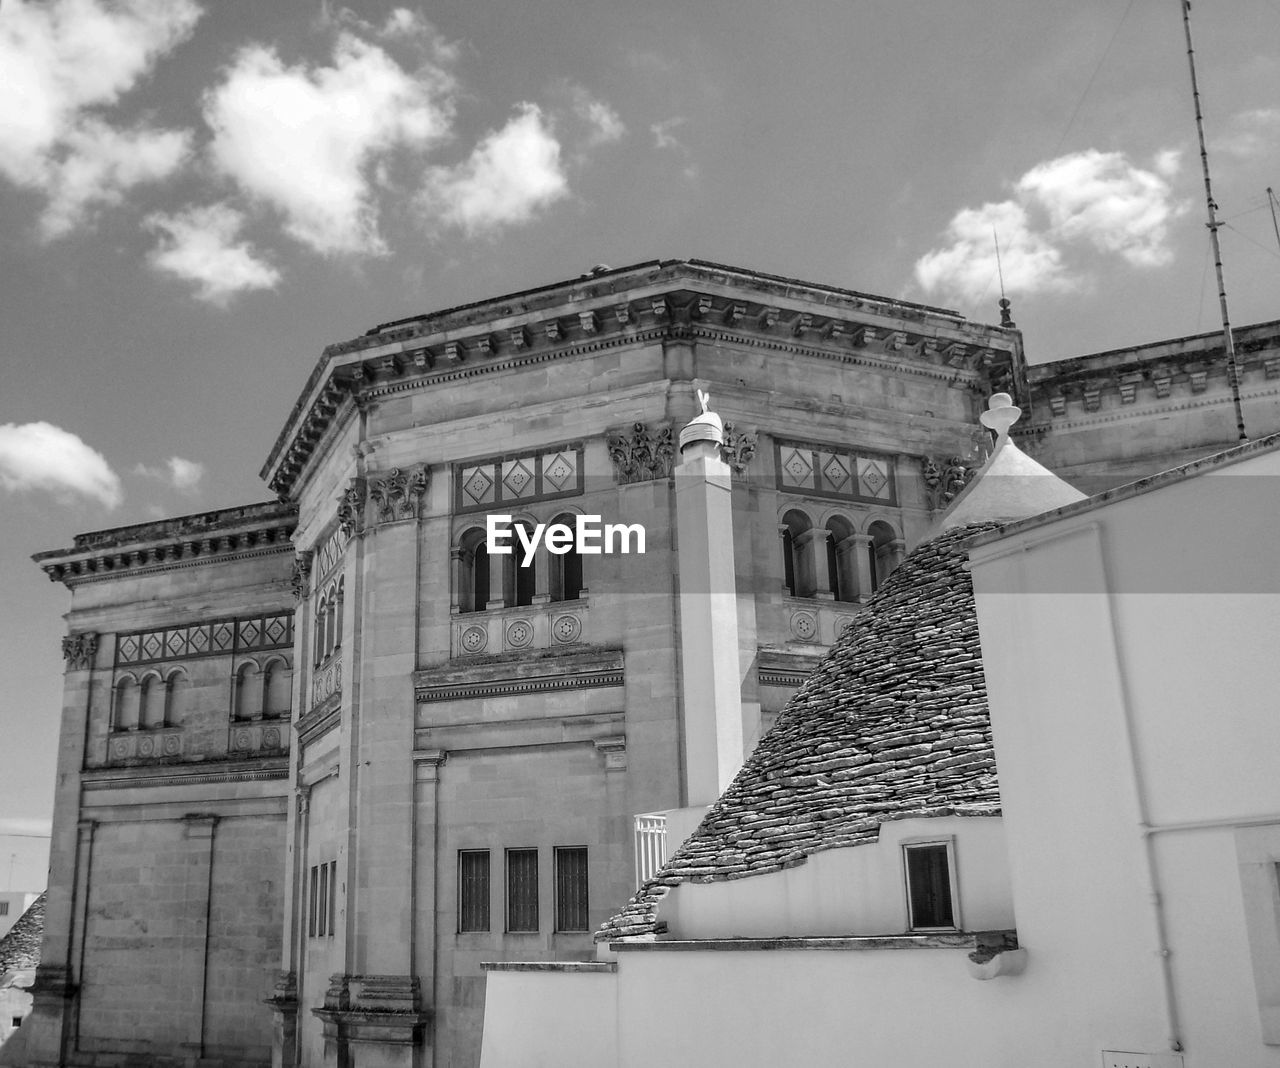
x=711, y=686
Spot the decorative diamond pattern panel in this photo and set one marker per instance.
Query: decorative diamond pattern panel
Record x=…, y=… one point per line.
x=833, y=471
x=206, y=639
x=508, y=480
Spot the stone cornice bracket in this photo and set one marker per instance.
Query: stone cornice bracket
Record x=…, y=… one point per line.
x=351, y=508
x=300, y=582
x=944, y=479
x=739, y=448
x=398, y=494
x=78, y=650
x=643, y=455
x=615, y=752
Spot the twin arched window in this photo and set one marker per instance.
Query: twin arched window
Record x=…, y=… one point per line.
x=328, y=631
x=265, y=693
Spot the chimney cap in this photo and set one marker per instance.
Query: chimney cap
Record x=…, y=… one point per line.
x=705, y=426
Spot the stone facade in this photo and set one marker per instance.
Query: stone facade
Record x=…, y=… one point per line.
x=454, y=773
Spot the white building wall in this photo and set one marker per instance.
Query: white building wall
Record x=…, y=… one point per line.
x=1130, y=660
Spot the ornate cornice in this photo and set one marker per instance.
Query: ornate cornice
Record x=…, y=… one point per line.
x=679, y=299
x=504, y=676
x=261, y=770
x=173, y=544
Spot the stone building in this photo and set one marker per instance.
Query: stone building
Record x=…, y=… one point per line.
x=322, y=757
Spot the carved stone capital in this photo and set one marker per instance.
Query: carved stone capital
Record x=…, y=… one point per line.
x=739, y=448
x=944, y=479
x=300, y=583
x=641, y=454
x=397, y=494
x=78, y=650
x=351, y=508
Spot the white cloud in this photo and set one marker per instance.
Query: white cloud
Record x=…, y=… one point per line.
x=1250, y=133
x=199, y=245
x=182, y=475
x=64, y=62
x=604, y=123
x=1102, y=198
x=966, y=265
x=309, y=140
x=662, y=135
x=41, y=456
x=511, y=174
x=1060, y=208
x=101, y=164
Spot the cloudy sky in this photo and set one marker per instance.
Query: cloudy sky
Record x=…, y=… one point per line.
x=196, y=197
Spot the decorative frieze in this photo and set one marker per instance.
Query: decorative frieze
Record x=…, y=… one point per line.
x=327, y=681
x=256, y=633
x=641, y=454
x=835, y=471
x=157, y=744
x=397, y=494
x=944, y=478
x=257, y=739
x=739, y=448
x=78, y=650
x=509, y=481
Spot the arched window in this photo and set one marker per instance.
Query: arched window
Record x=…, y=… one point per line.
x=331, y=624
x=127, y=704
x=175, y=697
x=797, y=569
x=338, y=599
x=881, y=560
x=841, y=561
x=248, y=698
x=472, y=572
x=566, y=568
x=153, y=701
x=519, y=581
x=277, y=687
x=322, y=615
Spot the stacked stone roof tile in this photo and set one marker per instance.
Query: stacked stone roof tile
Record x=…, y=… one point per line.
x=20, y=947
x=892, y=724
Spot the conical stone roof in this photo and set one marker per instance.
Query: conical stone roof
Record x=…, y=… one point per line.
x=892, y=724
x=20, y=947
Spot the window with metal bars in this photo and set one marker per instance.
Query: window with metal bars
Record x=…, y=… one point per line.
x=322, y=900
x=929, y=885
x=522, y=889
x=473, y=890
x=313, y=894
x=571, y=889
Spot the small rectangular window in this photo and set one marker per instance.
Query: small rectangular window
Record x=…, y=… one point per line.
x=17, y=1022
x=333, y=895
x=929, y=885
x=4, y=908
x=571, y=889
x=314, y=889
x=473, y=890
x=522, y=889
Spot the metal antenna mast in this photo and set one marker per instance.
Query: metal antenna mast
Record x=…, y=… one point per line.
x=1233, y=372
x=1271, y=200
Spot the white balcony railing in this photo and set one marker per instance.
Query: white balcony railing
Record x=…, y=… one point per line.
x=651, y=844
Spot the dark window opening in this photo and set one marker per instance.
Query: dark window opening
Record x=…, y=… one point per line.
x=929, y=886
x=571, y=889
x=522, y=889
x=473, y=890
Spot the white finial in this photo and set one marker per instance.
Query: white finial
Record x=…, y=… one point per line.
x=1000, y=415
x=704, y=398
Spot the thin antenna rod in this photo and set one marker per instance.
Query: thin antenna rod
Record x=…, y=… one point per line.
x=1271, y=199
x=999, y=269
x=1233, y=374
